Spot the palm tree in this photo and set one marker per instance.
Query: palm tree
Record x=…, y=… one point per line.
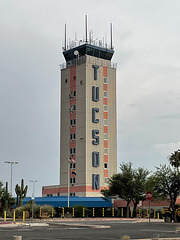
x=174, y=159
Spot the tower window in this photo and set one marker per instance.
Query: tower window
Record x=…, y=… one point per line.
x=72, y=194
x=105, y=94
x=105, y=180
x=73, y=122
x=74, y=78
x=105, y=165
x=72, y=180
x=81, y=82
x=74, y=93
x=74, y=107
x=105, y=151
x=105, y=108
x=105, y=80
x=72, y=136
x=106, y=136
x=72, y=165
x=65, y=80
x=72, y=150
x=105, y=122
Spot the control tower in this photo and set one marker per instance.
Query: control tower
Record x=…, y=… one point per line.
x=88, y=135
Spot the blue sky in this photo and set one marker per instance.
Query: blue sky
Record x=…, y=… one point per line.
x=146, y=37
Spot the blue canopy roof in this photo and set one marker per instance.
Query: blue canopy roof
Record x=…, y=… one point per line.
x=61, y=201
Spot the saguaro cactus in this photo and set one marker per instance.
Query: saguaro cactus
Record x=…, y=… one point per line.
x=17, y=190
x=21, y=193
x=6, y=197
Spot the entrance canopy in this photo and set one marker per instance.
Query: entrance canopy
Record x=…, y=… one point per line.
x=61, y=201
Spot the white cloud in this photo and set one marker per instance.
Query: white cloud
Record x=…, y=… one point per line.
x=167, y=148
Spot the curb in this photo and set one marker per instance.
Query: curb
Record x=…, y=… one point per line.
x=80, y=225
x=158, y=239
x=24, y=224
x=38, y=224
x=7, y=225
x=102, y=219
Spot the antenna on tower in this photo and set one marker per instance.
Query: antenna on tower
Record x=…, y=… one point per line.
x=111, y=35
x=105, y=40
x=86, y=27
x=65, y=38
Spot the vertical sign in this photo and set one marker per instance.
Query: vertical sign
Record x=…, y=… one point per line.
x=95, y=132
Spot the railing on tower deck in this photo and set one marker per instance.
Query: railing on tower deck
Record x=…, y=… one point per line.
x=98, y=43
x=79, y=61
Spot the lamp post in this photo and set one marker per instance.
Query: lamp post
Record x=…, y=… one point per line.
x=33, y=194
x=11, y=162
x=72, y=161
x=68, y=179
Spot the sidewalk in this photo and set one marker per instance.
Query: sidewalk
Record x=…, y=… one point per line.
x=105, y=219
x=19, y=221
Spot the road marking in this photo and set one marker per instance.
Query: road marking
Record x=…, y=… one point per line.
x=76, y=228
x=160, y=231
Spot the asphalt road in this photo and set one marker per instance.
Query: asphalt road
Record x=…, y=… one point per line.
x=135, y=229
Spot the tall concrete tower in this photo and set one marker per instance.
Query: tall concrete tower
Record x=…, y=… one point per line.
x=88, y=119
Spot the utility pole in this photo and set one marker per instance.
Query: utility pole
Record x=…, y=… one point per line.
x=33, y=194
x=11, y=162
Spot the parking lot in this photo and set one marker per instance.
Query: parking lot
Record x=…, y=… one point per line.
x=94, y=229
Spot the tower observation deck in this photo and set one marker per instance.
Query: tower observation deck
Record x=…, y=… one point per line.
x=89, y=49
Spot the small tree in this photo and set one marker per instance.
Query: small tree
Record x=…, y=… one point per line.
x=129, y=185
x=1, y=189
x=167, y=184
x=174, y=159
x=120, y=185
x=139, y=186
x=6, y=200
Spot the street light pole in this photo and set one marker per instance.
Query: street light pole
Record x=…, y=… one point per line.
x=33, y=194
x=11, y=162
x=68, y=180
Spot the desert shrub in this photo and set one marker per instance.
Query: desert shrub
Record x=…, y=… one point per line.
x=19, y=212
x=46, y=211
x=28, y=208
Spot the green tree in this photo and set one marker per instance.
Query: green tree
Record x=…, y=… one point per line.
x=166, y=183
x=6, y=200
x=150, y=185
x=129, y=185
x=1, y=189
x=139, y=186
x=120, y=185
x=174, y=159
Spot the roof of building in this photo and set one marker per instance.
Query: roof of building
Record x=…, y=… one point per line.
x=88, y=49
x=61, y=201
x=154, y=203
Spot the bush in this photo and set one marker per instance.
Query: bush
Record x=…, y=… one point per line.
x=28, y=208
x=46, y=211
x=19, y=212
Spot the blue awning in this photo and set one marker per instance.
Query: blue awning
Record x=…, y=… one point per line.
x=61, y=201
